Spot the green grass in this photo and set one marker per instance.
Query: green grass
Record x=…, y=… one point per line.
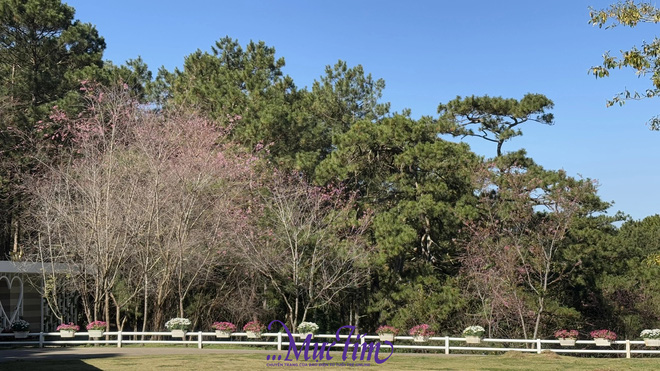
x=251, y=362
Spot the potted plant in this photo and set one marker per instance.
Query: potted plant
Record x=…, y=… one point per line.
x=421, y=333
x=602, y=338
x=306, y=329
x=567, y=337
x=178, y=326
x=473, y=334
x=68, y=330
x=21, y=328
x=651, y=337
x=223, y=329
x=95, y=329
x=254, y=329
x=387, y=333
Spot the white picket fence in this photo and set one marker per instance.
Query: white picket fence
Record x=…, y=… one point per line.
x=280, y=341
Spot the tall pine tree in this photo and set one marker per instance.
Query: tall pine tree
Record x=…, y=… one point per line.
x=44, y=53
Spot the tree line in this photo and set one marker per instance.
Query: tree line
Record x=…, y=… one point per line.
x=222, y=191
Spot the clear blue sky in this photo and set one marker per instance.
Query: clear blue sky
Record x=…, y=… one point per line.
x=429, y=52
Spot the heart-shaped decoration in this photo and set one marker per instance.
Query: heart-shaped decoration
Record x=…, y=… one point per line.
x=7, y=319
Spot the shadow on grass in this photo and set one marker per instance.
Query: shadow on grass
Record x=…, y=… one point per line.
x=56, y=355
x=54, y=365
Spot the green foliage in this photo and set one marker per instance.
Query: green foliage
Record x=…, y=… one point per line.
x=624, y=13
x=629, y=283
x=344, y=96
x=643, y=60
x=417, y=188
x=513, y=258
x=497, y=118
x=135, y=74
x=232, y=82
x=296, y=125
x=43, y=53
x=228, y=80
x=416, y=183
x=427, y=299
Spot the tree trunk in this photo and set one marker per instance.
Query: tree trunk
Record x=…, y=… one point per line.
x=117, y=314
x=294, y=319
x=356, y=313
x=16, y=254
x=538, y=316
x=107, y=307
x=145, y=314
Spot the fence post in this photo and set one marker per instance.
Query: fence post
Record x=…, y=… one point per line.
x=118, y=339
x=538, y=346
x=41, y=340
x=446, y=344
x=199, y=340
x=627, y=348
x=279, y=341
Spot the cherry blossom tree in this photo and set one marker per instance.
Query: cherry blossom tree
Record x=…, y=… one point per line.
x=307, y=242
x=135, y=203
x=513, y=248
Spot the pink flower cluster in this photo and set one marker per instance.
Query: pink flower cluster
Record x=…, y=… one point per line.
x=254, y=326
x=603, y=334
x=421, y=330
x=97, y=325
x=567, y=334
x=387, y=330
x=224, y=326
x=68, y=327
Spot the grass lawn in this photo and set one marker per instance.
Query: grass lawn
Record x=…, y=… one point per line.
x=251, y=362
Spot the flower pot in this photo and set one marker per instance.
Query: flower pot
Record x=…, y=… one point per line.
x=178, y=333
x=67, y=333
x=602, y=342
x=304, y=335
x=222, y=334
x=420, y=338
x=386, y=337
x=20, y=334
x=95, y=333
x=567, y=342
x=652, y=342
x=472, y=339
x=253, y=335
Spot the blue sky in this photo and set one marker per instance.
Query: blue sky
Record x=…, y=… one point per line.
x=429, y=52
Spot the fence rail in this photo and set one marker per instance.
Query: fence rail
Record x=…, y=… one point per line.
x=445, y=344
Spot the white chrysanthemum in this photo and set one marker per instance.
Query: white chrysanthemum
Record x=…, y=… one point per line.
x=474, y=331
x=178, y=324
x=650, y=334
x=307, y=327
